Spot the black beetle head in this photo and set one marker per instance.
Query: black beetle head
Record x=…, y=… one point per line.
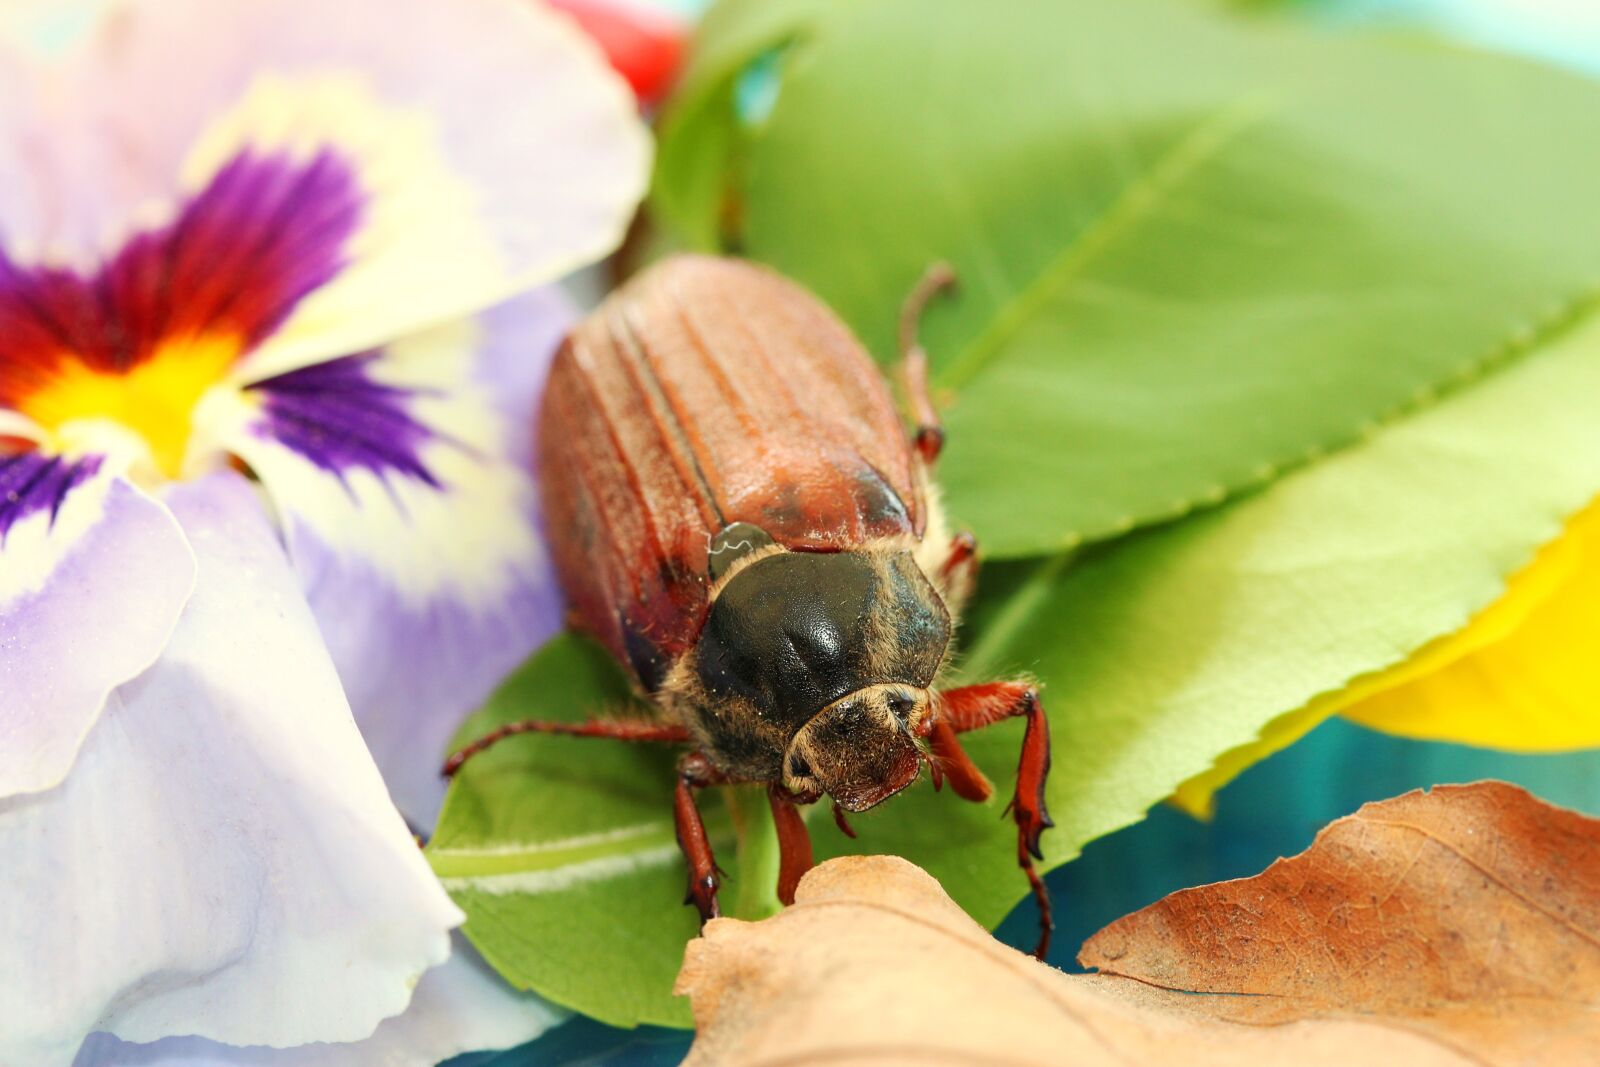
x=833, y=653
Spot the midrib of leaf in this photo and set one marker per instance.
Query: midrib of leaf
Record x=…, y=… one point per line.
x=1182, y=160
x=479, y=861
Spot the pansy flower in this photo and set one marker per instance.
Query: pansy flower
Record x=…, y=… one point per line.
x=268, y=349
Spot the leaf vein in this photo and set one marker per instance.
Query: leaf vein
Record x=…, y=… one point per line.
x=1182, y=160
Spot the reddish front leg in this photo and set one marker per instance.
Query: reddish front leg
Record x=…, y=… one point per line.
x=696, y=772
x=975, y=706
x=953, y=763
x=794, y=842
x=929, y=437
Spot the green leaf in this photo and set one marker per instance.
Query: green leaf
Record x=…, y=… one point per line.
x=1160, y=653
x=1196, y=249
x=1172, y=651
x=562, y=851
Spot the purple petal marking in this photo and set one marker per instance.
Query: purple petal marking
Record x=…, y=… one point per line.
x=341, y=419
x=265, y=232
x=159, y=76
x=31, y=482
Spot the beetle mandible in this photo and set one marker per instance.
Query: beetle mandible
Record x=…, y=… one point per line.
x=738, y=514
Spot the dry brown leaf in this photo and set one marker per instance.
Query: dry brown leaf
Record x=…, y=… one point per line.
x=1435, y=930
x=1471, y=913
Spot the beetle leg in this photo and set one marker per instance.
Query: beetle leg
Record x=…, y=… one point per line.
x=617, y=731
x=958, y=573
x=794, y=842
x=968, y=782
x=696, y=772
x=963, y=556
x=929, y=436
x=975, y=706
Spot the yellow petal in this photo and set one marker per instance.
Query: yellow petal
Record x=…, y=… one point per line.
x=1523, y=675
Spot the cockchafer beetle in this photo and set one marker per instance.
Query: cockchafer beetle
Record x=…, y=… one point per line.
x=737, y=513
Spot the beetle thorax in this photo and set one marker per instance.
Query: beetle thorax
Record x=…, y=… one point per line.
x=813, y=669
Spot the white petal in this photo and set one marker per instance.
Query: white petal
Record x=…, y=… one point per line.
x=33, y=204
x=223, y=859
x=489, y=145
x=15, y=424
x=93, y=576
x=460, y=1006
x=403, y=482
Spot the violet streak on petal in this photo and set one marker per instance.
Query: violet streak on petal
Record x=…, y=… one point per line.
x=31, y=482
x=338, y=417
x=264, y=232
x=240, y=255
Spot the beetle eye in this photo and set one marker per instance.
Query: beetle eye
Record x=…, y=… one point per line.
x=798, y=767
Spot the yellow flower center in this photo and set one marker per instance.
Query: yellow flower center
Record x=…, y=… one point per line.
x=154, y=399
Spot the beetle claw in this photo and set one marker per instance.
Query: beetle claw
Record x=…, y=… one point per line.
x=1032, y=821
x=703, y=895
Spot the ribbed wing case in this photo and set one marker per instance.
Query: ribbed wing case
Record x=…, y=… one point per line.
x=706, y=392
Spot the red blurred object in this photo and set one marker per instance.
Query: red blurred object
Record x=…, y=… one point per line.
x=645, y=47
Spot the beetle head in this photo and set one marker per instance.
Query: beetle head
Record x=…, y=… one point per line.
x=861, y=749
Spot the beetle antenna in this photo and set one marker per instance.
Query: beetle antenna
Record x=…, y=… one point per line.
x=935, y=280
x=929, y=436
